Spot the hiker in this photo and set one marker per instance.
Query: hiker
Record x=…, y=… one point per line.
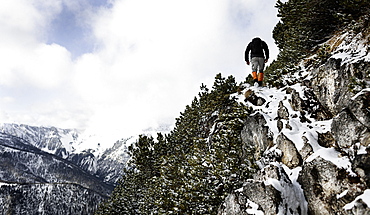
x=259, y=56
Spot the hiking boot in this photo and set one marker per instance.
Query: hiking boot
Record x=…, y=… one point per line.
x=259, y=83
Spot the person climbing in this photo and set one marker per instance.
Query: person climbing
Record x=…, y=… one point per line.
x=259, y=56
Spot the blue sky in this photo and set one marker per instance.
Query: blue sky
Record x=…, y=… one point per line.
x=120, y=66
x=70, y=27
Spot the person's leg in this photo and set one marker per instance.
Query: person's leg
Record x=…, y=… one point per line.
x=261, y=66
x=255, y=64
x=260, y=78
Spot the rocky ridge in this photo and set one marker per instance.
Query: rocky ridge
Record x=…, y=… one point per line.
x=69, y=144
x=48, y=171
x=311, y=137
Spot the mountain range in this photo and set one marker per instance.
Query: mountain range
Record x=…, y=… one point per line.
x=47, y=170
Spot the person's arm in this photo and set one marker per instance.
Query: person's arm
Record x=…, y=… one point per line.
x=266, y=50
x=246, y=54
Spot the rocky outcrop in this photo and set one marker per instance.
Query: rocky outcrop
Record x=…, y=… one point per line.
x=328, y=188
x=311, y=138
x=291, y=157
x=270, y=192
x=357, y=126
x=261, y=137
x=265, y=197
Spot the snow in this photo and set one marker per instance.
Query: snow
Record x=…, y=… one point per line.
x=239, y=190
x=352, y=49
x=298, y=130
x=360, y=93
x=341, y=195
x=333, y=156
x=67, y=141
x=6, y=184
x=365, y=197
x=253, y=208
x=361, y=150
x=292, y=194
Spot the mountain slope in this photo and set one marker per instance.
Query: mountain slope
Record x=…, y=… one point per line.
x=103, y=160
x=23, y=163
x=37, y=182
x=48, y=171
x=300, y=146
x=47, y=198
x=313, y=151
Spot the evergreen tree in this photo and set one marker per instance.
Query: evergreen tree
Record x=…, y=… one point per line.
x=305, y=24
x=194, y=167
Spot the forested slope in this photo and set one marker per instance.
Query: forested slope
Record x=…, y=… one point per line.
x=298, y=146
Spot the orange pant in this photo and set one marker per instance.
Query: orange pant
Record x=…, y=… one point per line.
x=258, y=77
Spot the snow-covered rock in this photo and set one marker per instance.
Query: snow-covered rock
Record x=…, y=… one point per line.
x=311, y=137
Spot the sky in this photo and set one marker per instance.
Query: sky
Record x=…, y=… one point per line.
x=118, y=67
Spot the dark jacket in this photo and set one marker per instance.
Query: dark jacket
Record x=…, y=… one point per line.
x=258, y=48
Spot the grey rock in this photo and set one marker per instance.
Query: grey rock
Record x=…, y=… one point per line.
x=251, y=97
x=361, y=166
x=332, y=80
x=256, y=133
x=309, y=104
x=306, y=150
x=291, y=157
x=360, y=107
x=265, y=196
x=283, y=111
x=347, y=130
x=322, y=182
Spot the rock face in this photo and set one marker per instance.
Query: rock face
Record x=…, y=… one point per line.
x=327, y=187
x=311, y=138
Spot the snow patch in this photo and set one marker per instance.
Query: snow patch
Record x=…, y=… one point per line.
x=252, y=208
x=352, y=49
x=341, y=195
x=365, y=197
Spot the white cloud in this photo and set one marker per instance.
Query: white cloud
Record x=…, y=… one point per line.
x=150, y=58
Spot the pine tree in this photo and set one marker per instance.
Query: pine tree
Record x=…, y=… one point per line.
x=304, y=25
x=194, y=167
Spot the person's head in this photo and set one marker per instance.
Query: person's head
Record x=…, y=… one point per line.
x=256, y=39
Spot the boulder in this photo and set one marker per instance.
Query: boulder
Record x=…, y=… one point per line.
x=328, y=188
x=352, y=125
x=309, y=104
x=282, y=111
x=251, y=97
x=256, y=133
x=265, y=197
x=290, y=157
